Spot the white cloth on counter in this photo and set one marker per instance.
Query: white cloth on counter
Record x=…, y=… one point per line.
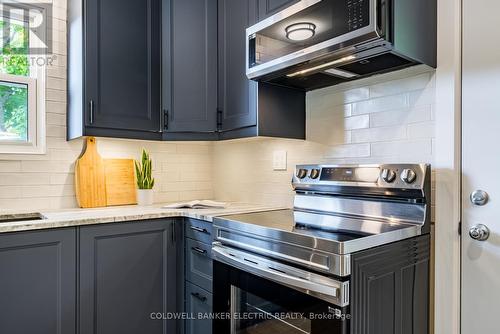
x=197, y=204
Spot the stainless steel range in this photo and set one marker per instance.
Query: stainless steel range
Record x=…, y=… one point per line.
x=352, y=256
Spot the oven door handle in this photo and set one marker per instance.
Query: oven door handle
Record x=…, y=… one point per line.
x=276, y=272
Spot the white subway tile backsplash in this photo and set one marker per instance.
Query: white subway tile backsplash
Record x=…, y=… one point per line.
x=422, y=97
x=329, y=97
x=62, y=178
x=418, y=82
x=349, y=151
x=421, y=147
x=10, y=192
x=56, y=72
x=12, y=179
x=327, y=131
x=54, y=95
x=380, y=104
x=55, y=107
x=379, y=134
x=388, y=120
x=56, y=83
x=23, y=204
x=9, y=166
x=56, y=131
x=44, y=166
x=402, y=116
x=421, y=130
x=56, y=119
x=357, y=122
x=196, y=194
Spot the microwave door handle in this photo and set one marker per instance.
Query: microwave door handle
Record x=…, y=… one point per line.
x=274, y=274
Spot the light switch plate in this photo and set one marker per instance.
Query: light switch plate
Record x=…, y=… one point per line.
x=279, y=160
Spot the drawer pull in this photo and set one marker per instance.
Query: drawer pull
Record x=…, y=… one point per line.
x=199, y=229
x=199, y=250
x=199, y=297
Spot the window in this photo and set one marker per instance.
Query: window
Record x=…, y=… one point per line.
x=22, y=78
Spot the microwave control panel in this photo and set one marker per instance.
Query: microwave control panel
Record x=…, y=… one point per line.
x=357, y=13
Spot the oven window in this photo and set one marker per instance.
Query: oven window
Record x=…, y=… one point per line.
x=256, y=305
x=255, y=315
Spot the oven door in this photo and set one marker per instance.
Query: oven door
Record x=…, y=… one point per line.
x=257, y=303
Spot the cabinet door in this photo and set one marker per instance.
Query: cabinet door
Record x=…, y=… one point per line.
x=193, y=103
x=123, y=65
x=271, y=7
x=38, y=282
x=237, y=94
x=127, y=272
x=198, y=302
x=390, y=288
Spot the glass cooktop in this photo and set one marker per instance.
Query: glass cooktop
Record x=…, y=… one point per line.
x=334, y=233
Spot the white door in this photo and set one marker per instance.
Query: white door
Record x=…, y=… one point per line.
x=481, y=166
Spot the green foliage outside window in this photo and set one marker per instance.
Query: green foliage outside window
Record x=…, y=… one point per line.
x=13, y=97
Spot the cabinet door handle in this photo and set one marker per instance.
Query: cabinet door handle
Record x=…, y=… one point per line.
x=199, y=229
x=199, y=297
x=165, y=119
x=91, y=111
x=198, y=250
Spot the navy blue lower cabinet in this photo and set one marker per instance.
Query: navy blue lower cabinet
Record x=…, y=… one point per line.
x=38, y=282
x=199, y=308
x=390, y=288
x=198, y=272
x=199, y=264
x=127, y=277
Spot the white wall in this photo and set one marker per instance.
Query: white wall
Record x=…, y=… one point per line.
x=388, y=118
x=182, y=170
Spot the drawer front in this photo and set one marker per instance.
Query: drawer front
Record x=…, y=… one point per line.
x=199, y=230
x=199, y=264
x=198, y=301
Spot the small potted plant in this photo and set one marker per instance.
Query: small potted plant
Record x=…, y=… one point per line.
x=145, y=180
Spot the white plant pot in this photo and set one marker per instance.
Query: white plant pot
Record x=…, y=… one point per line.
x=145, y=197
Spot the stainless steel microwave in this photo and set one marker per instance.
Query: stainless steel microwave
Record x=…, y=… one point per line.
x=317, y=43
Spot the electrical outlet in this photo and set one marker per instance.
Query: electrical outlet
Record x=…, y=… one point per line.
x=279, y=160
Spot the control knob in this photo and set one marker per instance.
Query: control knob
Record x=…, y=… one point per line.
x=314, y=173
x=301, y=173
x=408, y=176
x=388, y=175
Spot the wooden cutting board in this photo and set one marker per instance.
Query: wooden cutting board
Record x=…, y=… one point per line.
x=120, y=182
x=90, y=177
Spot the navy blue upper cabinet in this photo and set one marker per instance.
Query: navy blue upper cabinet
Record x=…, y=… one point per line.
x=120, y=95
x=237, y=94
x=248, y=108
x=270, y=7
x=190, y=92
x=172, y=70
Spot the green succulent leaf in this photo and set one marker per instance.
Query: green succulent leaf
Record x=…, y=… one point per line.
x=144, y=171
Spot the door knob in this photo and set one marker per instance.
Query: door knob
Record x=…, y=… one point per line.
x=479, y=232
x=479, y=197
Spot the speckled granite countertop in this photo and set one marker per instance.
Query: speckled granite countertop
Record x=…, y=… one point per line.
x=79, y=217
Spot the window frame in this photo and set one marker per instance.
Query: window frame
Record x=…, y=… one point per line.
x=36, y=84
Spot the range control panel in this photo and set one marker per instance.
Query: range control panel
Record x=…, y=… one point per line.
x=403, y=176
